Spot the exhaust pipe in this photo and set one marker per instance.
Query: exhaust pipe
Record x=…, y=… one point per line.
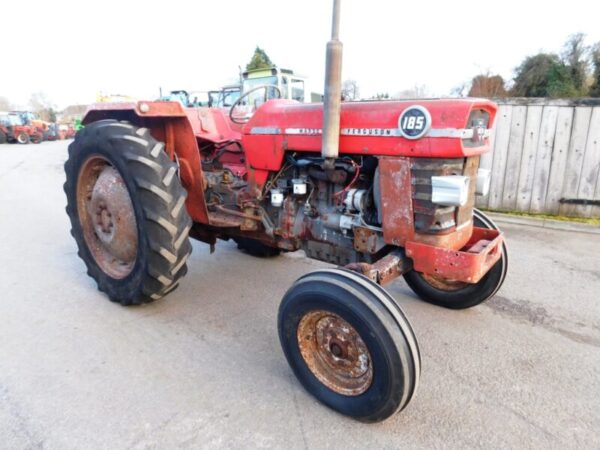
x=333, y=92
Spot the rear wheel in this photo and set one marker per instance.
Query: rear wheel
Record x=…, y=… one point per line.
x=349, y=344
x=457, y=294
x=37, y=138
x=3, y=137
x=127, y=211
x=256, y=248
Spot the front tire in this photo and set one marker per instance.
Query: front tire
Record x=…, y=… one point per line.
x=349, y=344
x=127, y=211
x=457, y=295
x=23, y=138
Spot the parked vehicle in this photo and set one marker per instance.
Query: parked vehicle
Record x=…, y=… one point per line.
x=19, y=128
x=381, y=189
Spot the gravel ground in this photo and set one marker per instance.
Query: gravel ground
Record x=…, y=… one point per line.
x=203, y=368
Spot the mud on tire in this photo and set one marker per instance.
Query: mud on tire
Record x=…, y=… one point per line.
x=158, y=203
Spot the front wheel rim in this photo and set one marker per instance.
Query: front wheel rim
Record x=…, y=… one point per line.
x=107, y=217
x=335, y=353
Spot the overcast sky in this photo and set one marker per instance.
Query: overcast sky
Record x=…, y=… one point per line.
x=72, y=50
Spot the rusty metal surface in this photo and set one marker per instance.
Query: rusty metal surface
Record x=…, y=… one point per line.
x=98, y=111
x=335, y=353
x=177, y=135
x=468, y=264
x=365, y=240
x=396, y=200
x=454, y=241
x=385, y=269
x=107, y=217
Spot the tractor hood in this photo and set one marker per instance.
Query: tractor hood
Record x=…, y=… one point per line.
x=444, y=128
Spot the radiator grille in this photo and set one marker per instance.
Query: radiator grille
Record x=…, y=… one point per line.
x=435, y=219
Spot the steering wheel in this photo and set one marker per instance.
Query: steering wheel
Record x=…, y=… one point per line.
x=246, y=118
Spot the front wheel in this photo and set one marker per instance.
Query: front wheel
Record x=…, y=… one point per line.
x=457, y=294
x=127, y=211
x=23, y=138
x=349, y=344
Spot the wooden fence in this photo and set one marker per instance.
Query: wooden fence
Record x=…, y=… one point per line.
x=546, y=157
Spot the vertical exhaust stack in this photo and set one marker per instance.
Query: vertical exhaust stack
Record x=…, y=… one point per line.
x=333, y=92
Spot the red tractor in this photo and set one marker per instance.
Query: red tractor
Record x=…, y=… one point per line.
x=17, y=127
x=380, y=189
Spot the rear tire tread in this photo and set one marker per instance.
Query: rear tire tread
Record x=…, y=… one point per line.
x=165, y=223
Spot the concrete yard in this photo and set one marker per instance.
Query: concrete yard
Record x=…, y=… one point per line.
x=203, y=368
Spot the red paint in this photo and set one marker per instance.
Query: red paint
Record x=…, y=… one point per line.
x=469, y=264
x=266, y=151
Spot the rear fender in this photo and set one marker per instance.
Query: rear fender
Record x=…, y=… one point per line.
x=168, y=123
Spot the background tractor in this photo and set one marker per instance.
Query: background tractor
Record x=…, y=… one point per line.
x=379, y=189
x=19, y=128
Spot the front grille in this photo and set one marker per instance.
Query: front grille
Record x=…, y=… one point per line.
x=435, y=219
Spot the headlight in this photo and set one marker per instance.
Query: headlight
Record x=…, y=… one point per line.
x=451, y=190
x=484, y=178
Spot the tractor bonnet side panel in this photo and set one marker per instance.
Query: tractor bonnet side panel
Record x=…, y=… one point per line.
x=367, y=128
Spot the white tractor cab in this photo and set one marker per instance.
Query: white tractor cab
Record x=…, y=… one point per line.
x=261, y=85
x=291, y=86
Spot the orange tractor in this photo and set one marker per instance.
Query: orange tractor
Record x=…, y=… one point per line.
x=379, y=189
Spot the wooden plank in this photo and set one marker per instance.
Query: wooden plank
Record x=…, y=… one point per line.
x=504, y=117
x=579, y=133
x=527, y=166
x=591, y=165
x=543, y=159
x=558, y=166
x=513, y=159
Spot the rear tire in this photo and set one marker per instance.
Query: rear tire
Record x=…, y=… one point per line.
x=469, y=295
x=147, y=261
x=3, y=137
x=349, y=344
x=37, y=138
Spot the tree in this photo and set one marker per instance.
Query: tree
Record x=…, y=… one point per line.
x=573, y=56
x=381, y=96
x=260, y=60
x=487, y=85
x=595, y=57
x=350, y=90
x=544, y=75
x=40, y=104
x=5, y=104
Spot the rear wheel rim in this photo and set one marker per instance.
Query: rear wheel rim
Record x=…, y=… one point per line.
x=335, y=353
x=107, y=217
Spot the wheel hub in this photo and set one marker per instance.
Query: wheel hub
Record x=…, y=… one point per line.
x=335, y=353
x=107, y=217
